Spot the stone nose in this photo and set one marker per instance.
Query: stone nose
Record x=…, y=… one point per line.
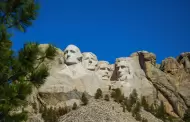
x=106, y=71
x=119, y=69
x=68, y=55
x=90, y=61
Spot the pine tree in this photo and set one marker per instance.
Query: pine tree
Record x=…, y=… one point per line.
x=144, y=120
x=153, y=109
x=18, y=13
x=54, y=117
x=34, y=106
x=98, y=94
x=186, y=117
x=136, y=109
x=113, y=94
x=109, y=87
x=145, y=104
x=84, y=99
x=106, y=97
x=116, y=94
x=44, y=112
x=133, y=97
x=138, y=116
x=121, y=98
x=128, y=104
x=160, y=112
x=74, y=106
x=123, y=106
x=23, y=70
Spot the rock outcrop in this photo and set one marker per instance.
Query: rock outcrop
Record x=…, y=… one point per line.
x=73, y=72
x=170, y=66
x=184, y=59
x=103, y=111
x=165, y=82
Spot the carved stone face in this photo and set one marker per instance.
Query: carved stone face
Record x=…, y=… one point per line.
x=112, y=68
x=72, y=55
x=123, y=69
x=103, y=70
x=89, y=61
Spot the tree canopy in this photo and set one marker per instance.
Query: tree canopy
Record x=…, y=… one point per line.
x=22, y=70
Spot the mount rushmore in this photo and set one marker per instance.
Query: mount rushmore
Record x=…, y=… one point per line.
x=83, y=72
x=73, y=72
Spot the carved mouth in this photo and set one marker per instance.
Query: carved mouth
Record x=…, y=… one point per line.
x=105, y=76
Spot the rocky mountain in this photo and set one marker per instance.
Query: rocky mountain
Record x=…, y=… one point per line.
x=103, y=111
x=73, y=72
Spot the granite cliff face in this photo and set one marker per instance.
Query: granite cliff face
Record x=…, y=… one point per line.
x=73, y=72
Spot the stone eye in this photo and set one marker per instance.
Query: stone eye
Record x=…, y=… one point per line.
x=66, y=51
x=72, y=51
x=102, y=68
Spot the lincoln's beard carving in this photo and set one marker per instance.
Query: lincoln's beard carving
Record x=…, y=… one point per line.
x=72, y=55
x=123, y=70
x=103, y=70
x=89, y=61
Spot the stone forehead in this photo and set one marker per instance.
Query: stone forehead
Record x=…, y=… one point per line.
x=103, y=62
x=125, y=59
x=91, y=54
x=71, y=46
x=120, y=59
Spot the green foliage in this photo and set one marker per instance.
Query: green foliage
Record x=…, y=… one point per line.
x=98, y=94
x=106, y=97
x=16, y=117
x=109, y=87
x=52, y=114
x=113, y=94
x=144, y=103
x=84, y=99
x=123, y=106
x=121, y=98
x=128, y=104
x=136, y=109
x=117, y=95
x=34, y=106
x=74, y=106
x=160, y=112
x=18, y=13
x=144, y=120
x=152, y=109
x=133, y=96
x=138, y=117
x=19, y=71
x=186, y=117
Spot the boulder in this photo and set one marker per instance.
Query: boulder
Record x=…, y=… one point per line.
x=165, y=84
x=170, y=65
x=184, y=60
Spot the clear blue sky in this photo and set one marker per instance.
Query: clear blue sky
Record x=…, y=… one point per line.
x=112, y=28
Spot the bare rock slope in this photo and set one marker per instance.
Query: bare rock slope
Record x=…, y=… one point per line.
x=103, y=111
